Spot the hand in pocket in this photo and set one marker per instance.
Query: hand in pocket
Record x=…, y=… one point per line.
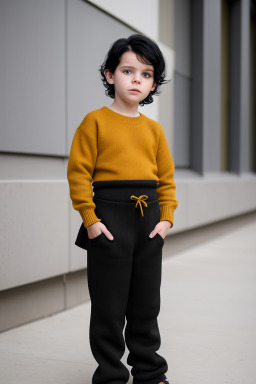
x=96, y=229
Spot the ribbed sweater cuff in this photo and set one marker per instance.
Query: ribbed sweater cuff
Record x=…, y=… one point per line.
x=166, y=213
x=88, y=216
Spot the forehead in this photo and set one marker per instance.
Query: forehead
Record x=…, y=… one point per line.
x=130, y=59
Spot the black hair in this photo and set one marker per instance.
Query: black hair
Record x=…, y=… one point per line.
x=147, y=52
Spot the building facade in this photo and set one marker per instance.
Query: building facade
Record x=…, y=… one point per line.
x=50, y=55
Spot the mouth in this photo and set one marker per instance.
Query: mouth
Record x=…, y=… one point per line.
x=134, y=90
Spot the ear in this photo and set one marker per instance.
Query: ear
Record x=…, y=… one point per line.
x=109, y=76
x=153, y=87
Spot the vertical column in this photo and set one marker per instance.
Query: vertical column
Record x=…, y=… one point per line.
x=196, y=95
x=211, y=85
x=182, y=84
x=252, y=137
x=206, y=81
x=245, y=89
x=239, y=86
x=164, y=104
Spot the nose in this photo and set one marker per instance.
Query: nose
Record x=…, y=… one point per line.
x=136, y=78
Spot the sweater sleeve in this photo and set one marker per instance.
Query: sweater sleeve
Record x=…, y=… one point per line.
x=166, y=188
x=81, y=164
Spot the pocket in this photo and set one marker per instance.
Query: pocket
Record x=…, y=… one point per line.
x=159, y=237
x=97, y=237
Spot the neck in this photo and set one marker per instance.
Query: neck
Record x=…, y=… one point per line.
x=130, y=110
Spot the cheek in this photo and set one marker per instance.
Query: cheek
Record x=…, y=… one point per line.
x=122, y=81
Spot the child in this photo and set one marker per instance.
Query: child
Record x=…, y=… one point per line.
x=127, y=157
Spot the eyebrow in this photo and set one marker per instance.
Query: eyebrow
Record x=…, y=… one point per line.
x=129, y=66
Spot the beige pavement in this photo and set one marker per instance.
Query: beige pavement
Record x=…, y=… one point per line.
x=207, y=323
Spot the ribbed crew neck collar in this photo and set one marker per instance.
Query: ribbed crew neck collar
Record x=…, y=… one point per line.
x=122, y=118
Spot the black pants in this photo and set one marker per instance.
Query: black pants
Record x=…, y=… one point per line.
x=124, y=278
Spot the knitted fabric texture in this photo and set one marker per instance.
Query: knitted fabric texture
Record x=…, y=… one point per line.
x=111, y=146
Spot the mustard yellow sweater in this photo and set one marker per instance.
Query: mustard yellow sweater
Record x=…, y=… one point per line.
x=111, y=146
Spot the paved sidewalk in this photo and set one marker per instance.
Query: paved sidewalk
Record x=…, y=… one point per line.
x=207, y=323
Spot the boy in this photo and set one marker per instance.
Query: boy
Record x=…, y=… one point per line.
x=125, y=154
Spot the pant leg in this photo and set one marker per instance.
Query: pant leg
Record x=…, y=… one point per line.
x=142, y=332
x=109, y=266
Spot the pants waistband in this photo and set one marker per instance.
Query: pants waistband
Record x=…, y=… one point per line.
x=137, y=192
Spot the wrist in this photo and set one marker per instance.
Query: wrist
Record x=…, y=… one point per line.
x=169, y=222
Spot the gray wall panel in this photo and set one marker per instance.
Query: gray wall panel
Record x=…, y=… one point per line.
x=166, y=22
x=239, y=86
x=32, y=104
x=205, y=200
x=182, y=83
x=211, y=85
x=205, y=86
x=34, y=231
x=90, y=34
x=245, y=81
x=182, y=36
x=182, y=121
x=197, y=69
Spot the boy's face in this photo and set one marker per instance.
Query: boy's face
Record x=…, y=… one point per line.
x=131, y=74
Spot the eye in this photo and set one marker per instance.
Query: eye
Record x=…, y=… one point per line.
x=147, y=74
x=126, y=70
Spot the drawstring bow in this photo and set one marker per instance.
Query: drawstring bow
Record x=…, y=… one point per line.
x=140, y=200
